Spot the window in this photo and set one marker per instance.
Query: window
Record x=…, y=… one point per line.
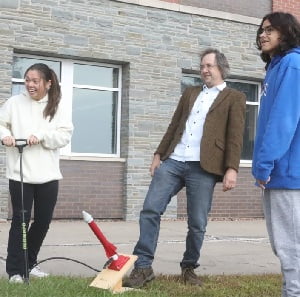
x=252, y=90
x=93, y=92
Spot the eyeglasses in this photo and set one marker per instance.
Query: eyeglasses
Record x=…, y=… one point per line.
x=208, y=66
x=268, y=30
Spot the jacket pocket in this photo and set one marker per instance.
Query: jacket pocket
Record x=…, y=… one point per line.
x=220, y=144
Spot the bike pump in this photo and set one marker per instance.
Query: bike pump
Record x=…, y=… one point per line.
x=20, y=144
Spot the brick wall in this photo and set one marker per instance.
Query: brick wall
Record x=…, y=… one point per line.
x=96, y=187
x=291, y=6
x=242, y=202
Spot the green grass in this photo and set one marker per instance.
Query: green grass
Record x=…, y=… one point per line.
x=162, y=286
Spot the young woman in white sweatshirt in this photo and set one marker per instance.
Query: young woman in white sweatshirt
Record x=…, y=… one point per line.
x=38, y=116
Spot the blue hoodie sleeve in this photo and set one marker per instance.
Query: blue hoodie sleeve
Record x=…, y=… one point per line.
x=282, y=121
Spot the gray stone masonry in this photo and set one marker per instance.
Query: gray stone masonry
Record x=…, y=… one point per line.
x=155, y=46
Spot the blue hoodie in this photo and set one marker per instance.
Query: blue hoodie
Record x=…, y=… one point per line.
x=277, y=144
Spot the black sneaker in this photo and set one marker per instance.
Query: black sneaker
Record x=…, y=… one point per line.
x=139, y=277
x=189, y=277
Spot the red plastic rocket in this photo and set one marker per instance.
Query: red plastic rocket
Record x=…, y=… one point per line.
x=117, y=261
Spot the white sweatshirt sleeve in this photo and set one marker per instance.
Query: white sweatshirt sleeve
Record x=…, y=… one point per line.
x=59, y=135
x=5, y=123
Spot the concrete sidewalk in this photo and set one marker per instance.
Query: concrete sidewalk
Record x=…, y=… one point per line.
x=230, y=247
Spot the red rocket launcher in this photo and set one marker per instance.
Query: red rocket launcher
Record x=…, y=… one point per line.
x=117, y=261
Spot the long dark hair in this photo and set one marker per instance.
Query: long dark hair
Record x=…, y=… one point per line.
x=54, y=93
x=288, y=26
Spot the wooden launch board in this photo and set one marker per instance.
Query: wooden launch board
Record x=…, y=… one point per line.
x=112, y=279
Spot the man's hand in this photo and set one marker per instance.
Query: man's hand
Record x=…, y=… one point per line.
x=229, y=180
x=262, y=183
x=155, y=163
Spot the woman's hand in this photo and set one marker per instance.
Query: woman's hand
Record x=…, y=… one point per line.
x=9, y=141
x=32, y=140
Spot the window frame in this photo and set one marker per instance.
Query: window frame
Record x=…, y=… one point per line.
x=67, y=86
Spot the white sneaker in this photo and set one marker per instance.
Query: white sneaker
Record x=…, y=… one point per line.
x=16, y=279
x=37, y=272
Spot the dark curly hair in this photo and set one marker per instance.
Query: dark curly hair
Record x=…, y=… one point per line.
x=288, y=26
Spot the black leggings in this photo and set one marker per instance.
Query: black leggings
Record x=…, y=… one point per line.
x=44, y=197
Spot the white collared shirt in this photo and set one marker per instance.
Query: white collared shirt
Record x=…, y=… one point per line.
x=188, y=149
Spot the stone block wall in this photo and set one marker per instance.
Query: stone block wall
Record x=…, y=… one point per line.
x=154, y=46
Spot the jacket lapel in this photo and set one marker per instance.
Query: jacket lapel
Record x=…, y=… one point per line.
x=221, y=97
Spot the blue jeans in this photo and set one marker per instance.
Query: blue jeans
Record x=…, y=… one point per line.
x=167, y=181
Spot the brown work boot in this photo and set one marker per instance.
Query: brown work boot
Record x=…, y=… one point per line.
x=139, y=277
x=189, y=277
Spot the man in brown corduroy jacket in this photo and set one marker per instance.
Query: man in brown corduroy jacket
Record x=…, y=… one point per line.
x=201, y=146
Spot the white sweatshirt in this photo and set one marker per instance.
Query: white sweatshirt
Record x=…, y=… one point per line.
x=20, y=117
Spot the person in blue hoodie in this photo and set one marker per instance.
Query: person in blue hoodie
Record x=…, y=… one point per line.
x=276, y=158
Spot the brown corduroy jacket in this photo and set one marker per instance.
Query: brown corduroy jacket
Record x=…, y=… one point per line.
x=222, y=139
